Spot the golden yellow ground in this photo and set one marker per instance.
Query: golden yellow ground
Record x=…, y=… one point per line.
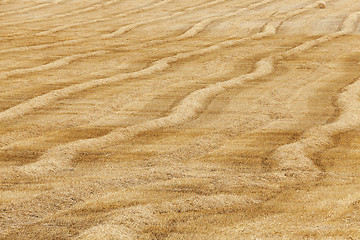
x=179, y=119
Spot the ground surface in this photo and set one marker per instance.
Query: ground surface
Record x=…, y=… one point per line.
x=179, y=119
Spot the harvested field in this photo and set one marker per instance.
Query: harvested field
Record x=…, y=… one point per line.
x=169, y=119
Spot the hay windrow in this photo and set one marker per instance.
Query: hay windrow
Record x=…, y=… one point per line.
x=168, y=119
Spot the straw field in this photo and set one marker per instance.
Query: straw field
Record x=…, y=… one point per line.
x=179, y=119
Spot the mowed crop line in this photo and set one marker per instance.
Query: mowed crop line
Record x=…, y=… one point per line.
x=197, y=28
x=117, y=225
x=51, y=66
x=64, y=43
x=116, y=228
x=190, y=33
x=114, y=214
x=59, y=158
x=55, y=64
x=201, y=25
x=123, y=29
x=132, y=26
x=174, y=171
x=295, y=157
x=15, y=9
x=74, y=198
x=35, y=3
x=140, y=102
x=192, y=8
x=56, y=44
x=136, y=214
x=65, y=60
x=81, y=40
x=93, y=7
x=194, y=30
x=159, y=65
x=23, y=10
x=83, y=23
x=129, y=223
x=169, y=162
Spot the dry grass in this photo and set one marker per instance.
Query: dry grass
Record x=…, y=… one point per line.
x=167, y=119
